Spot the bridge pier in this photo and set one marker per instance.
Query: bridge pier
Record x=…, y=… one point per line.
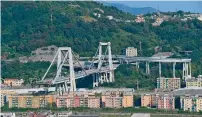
x=174, y=70
x=137, y=65
x=186, y=70
x=147, y=68
x=159, y=69
x=111, y=75
x=95, y=80
x=60, y=90
x=190, y=69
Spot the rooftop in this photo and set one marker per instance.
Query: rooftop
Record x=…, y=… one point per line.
x=163, y=54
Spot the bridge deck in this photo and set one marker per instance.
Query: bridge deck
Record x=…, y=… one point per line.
x=78, y=75
x=144, y=59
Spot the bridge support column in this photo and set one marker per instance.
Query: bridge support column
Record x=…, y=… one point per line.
x=147, y=68
x=101, y=77
x=183, y=71
x=137, y=65
x=63, y=89
x=60, y=90
x=95, y=80
x=66, y=88
x=186, y=70
x=159, y=69
x=190, y=69
x=112, y=76
x=101, y=58
x=174, y=69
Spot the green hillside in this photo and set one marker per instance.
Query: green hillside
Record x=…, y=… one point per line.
x=27, y=26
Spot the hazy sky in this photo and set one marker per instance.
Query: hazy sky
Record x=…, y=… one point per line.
x=193, y=6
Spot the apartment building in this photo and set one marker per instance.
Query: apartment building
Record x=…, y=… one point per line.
x=158, y=22
x=30, y=101
x=191, y=103
x=139, y=19
x=113, y=102
x=75, y=100
x=93, y=102
x=117, y=99
x=130, y=51
x=166, y=101
x=194, y=82
x=2, y=100
x=168, y=83
x=127, y=100
x=13, y=81
x=148, y=100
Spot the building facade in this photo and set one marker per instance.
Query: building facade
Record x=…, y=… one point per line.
x=13, y=82
x=194, y=82
x=168, y=83
x=75, y=100
x=117, y=99
x=130, y=51
x=30, y=101
x=191, y=103
x=113, y=102
x=139, y=19
x=127, y=101
x=165, y=101
x=148, y=100
x=2, y=100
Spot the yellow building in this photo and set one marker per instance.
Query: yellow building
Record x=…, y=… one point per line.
x=146, y=100
x=194, y=82
x=199, y=103
x=29, y=101
x=127, y=100
x=130, y=51
x=168, y=83
x=191, y=103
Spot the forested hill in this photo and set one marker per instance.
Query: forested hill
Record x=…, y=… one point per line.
x=27, y=26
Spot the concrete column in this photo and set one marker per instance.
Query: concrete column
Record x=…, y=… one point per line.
x=63, y=89
x=147, y=68
x=66, y=88
x=187, y=69
x=60, y=90
x=95, y=80
x=159, y=69
x=127, y=62
x=174, y=70
x=183, y=71
x=138, y=66
x=190, y=69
